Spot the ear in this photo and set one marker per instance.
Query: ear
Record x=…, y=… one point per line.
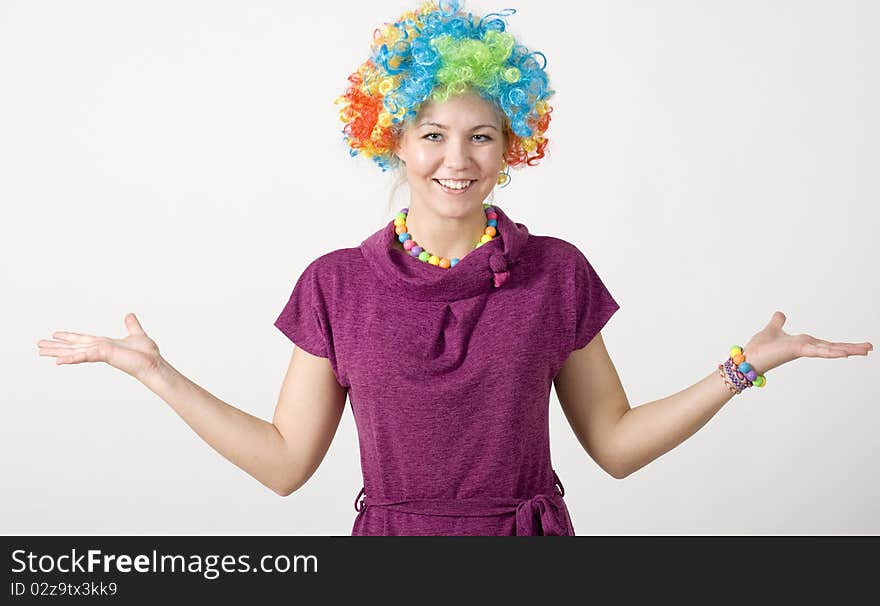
x=398, y=148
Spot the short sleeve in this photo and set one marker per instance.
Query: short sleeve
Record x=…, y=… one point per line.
x=593, y=304
x=304, y=318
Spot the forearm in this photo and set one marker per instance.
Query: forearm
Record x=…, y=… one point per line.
x=254, y=445
x=646, y=432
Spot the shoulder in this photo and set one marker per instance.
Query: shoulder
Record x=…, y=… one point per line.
x=567, y=261
x=340, y=256
x=335, y=263
x=325, y=276
x=556, y=251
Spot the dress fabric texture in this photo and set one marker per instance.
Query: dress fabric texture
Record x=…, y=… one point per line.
x=449, y=373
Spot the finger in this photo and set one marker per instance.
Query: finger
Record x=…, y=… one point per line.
x=49, y=343
x=133, y=326
x=777, y=319
x=850, y=348
x=62, y=350
x=70, y=359
x=73, y=337
x=79, y=356
x=68, y=344
x=59, y=345
x=822, y=350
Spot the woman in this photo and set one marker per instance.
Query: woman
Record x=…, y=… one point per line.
x=447, y=327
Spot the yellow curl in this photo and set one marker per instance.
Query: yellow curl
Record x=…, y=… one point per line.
x=384, y=119
x=386, y=86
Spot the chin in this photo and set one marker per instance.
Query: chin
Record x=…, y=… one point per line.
x=456, y=208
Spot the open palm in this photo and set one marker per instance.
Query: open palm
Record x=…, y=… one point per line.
x=136, y=354
x=773, y=347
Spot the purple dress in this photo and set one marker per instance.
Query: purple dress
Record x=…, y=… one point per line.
x=449, y=374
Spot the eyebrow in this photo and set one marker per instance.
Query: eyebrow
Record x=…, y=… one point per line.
x=444, y=127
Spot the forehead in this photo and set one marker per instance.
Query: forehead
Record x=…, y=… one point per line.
x=460, y=110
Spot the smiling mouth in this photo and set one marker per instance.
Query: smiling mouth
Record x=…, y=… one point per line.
x=454, y=190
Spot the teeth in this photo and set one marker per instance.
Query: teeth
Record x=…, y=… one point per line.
x=454, y=184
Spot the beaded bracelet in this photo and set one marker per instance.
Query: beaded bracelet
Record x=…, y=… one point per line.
x=738, y=374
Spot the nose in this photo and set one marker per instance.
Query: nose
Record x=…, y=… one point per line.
x=457, y=155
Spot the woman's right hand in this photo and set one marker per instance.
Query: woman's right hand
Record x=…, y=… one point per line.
x=137, y=354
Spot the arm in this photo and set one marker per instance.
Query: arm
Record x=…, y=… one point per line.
x=283, y=454
x=623, y=439
x=648, y=431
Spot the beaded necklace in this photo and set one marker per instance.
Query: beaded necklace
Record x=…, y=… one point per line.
x=421, y=254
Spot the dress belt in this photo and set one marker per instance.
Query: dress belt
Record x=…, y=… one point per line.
x=544, y=514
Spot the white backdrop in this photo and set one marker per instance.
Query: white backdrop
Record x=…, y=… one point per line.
x=715, y=161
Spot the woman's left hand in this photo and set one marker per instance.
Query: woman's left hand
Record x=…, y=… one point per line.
x=774, y=347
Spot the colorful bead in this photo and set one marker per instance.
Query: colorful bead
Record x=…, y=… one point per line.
x=739, y=374
x=417, y=251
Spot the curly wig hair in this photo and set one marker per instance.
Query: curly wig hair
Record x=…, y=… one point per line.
x=440, y=51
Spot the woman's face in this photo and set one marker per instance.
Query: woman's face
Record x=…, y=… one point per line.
x=453, y=152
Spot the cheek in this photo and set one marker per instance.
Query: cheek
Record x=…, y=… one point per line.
x=492, y=160
x=423, y=160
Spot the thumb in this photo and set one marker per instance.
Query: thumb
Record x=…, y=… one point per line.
x=133, y=326
x=777, y=320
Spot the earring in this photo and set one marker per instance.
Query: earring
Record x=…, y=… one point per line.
x=503, y=177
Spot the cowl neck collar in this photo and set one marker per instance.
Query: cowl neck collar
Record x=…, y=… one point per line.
x=482, y=270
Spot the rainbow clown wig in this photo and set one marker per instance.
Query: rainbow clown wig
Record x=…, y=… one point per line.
x=436, y=52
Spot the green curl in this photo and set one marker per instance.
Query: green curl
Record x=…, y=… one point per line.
x=467, y=63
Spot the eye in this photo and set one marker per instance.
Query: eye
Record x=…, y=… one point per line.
x=429, y=135
x=485, y=138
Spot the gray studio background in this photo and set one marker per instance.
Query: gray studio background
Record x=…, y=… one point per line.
x=715, y=161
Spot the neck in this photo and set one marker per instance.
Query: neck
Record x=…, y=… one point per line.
x=445, y=236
